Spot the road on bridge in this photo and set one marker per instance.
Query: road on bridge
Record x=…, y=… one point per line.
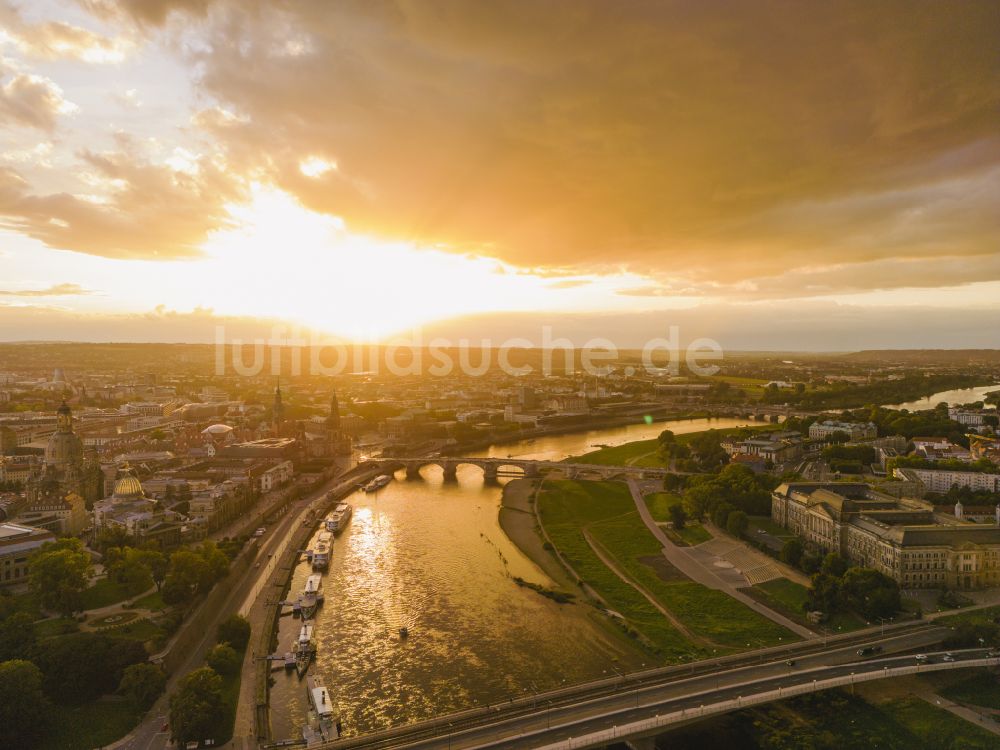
x=572, y=712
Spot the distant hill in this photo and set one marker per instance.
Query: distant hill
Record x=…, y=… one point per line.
x=926, y=356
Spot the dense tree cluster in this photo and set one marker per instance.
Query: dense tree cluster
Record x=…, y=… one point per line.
x=197, y=708
x=136, y=569
x=193, y=571
x=911, y=386
x=735, y=488
x=867, y=591
x=58, y=573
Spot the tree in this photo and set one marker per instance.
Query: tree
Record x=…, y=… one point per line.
x=223, y=659
x=234, y=630
x=158, y=565
x=82, y=666
x=834, y=565
x=187, y=572
x=142, y=684
x=791, y=552
x=23, y=706
x=58, y=572
x=736, y=523
x=824, y=594
x=17, y=636
x=197, y=708
x=678, y=516
x=870, y=592
x=720, y=515
x=134, y=573
x=810, y=563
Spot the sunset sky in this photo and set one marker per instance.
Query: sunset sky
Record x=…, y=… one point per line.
x=793, y=175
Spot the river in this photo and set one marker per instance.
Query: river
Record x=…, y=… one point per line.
x=430, y=555
x=952, y=397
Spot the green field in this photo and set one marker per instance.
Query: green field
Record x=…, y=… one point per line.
x=638, y=453
x=711, y=614
x=836, y=720
x=606, y=510
x=153, y=601
x=94, y=724
x=55, y=626
x=103, y=593
x=660, y=503
x=787, y=597
x=565, y=508
x=975, y=687
x=691, y=534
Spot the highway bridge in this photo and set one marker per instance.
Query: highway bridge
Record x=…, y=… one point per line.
x=634, y=708
x=520, y=467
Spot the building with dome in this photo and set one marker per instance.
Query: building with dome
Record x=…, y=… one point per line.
x=140, y=517
x=64, y=452
x=55, y=499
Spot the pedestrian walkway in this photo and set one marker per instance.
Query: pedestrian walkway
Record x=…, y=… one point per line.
x=687, y=561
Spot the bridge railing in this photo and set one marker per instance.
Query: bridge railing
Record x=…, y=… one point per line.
x=658, y=722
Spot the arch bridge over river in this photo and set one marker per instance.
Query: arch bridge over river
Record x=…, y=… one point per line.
x=493, y=468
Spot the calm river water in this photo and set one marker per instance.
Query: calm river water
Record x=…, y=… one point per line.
x=956, y=396
x=431, y=556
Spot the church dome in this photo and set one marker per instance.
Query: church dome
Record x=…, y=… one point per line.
x=65, y=449
x=128, y=486
x=217, y=429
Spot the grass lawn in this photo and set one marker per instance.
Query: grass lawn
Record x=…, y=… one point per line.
x=55, y=626
x=976, y=616
x=691, y=534
x=141, y=630
x=91, y=725
x=152, y=601
x=935, y=727
x=638, y=453
x=565, y=507
x=608, y=512
x=765, y=523
x=660, y=503
x=103, y=593
x=976, y=687
x=787, y=596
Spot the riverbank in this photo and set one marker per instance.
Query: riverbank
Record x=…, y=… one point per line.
x=518, y=522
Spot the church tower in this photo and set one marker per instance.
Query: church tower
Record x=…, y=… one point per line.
x=340, y=444
x=278, y=410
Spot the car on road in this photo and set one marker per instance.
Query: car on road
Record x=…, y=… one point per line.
x=922, y=658
x=869, y=650
x=790, y=662
x=993, y=653
x=948, y=657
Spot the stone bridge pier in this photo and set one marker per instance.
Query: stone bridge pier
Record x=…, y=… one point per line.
x=413, y=470
x=450, y=469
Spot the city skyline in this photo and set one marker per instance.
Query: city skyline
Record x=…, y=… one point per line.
x=774, y=176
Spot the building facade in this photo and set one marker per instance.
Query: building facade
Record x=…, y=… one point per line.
x=903, y=538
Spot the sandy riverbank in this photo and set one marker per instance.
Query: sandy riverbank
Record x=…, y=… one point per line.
x=517, y=519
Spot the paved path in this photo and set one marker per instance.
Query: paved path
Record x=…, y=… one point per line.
x=980, y=717
x=681, y=558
